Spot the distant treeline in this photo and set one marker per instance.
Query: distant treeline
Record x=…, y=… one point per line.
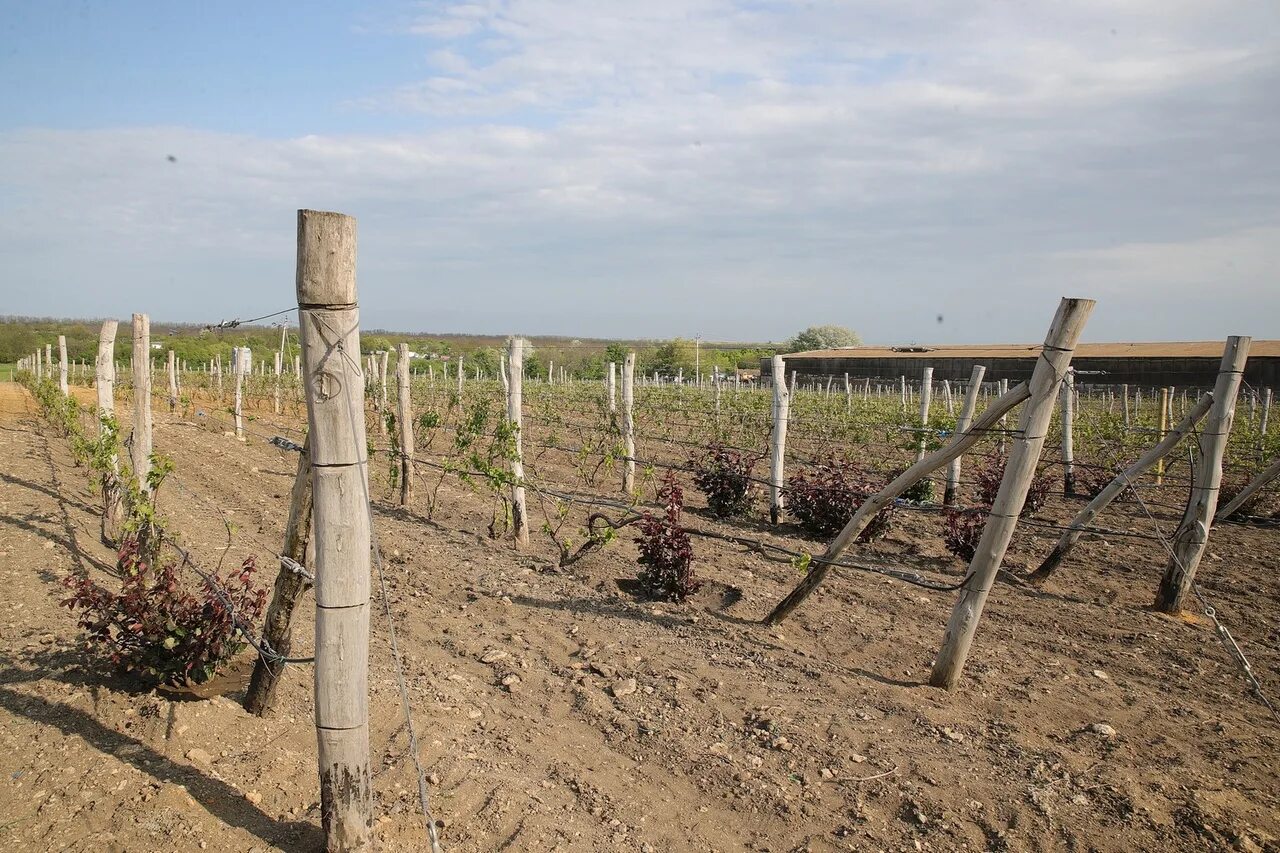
x=582, y=357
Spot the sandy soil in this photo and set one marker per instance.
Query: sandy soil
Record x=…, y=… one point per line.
x=1085, y=720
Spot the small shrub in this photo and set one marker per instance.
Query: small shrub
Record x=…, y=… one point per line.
x=990, y=473
x=724, y=476
x=823, y=499
x=666, y=556
x=921, y=492
x=962, y=530
x=157, y=629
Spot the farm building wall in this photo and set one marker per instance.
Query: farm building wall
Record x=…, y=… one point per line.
x=1148, y=371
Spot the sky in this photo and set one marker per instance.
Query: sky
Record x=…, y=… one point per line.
x=920, y=171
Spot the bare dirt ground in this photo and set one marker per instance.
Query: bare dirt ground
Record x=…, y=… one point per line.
x=1085, y=721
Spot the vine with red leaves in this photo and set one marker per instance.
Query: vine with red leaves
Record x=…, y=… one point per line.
x=666, y=555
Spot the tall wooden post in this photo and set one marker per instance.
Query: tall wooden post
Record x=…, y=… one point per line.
x=629, y=423
x=380, y=360
x=460, y=377
x=962, y=424
x=1124, y=395
x=515, y=414
x=105, y=382
x=1192, y=535
x=243, y=358
x=1068, y=438
x=926, y=400
x=778, y=442
x=279, y=368
x=330, y=335
x=1020, y=469
x=612, y=385
x=140, y=452
x=62, y=365
x=1163, y=428
x=172, y=369
x=404, y=418
x=1266, y=410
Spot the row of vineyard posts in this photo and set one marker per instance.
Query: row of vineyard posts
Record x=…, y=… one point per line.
x=329, y=526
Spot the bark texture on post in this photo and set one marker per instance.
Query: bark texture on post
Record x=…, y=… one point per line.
x=778, y=441
x=1117, y=486
x=105, y=382
x=962, y=424
x=872, y=505
x=140, y=452
x=277, y=628
x=404, y=418
x=1192, y=535
x=330, y=336
x=515, y=414
x=1046, y=380
x=629, y=423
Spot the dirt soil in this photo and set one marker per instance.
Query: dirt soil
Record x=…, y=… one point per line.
x=557, y=711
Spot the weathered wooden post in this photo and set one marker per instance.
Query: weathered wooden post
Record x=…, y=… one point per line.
x=1192, y=535
x=279, y=371
x=1266, y=410
x=1163, y=428
x=62, y=365
x=778, y=442
x=612, y=385
x=277, y=627
x=1124, y=395
x=461, y=377
x=243, y=358
x=962, y=424
x=380, y=359
x=404, y=417
x=172, y=375
x=629, y=423
x=105, y=382
x=515, y=414
x=1003, y=385
x=1068, y=439
x=330, y=335
x=926, y=400
x=140, y=452
x=1020, y=469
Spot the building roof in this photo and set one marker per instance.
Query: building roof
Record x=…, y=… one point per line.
x=1154, y=349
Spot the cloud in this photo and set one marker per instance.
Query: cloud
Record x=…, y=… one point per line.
x=731, y=168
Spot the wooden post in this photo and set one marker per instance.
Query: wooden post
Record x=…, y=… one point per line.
x=330, y=337
x=628, y=423
x=848, y=395
x=1020, y=469
x=1068, y=423
x=62, y=365
x=172, y=373
x=612, y=385
x=1004, y=423
x=39, y=366
x=1117, y=486
x=1192, y=535
x=926, y=399
x=460, y=377
x=105, y=382
x=243, y=358
x=279, y=368
x=380, y=359
x=1163, y=428
x=1266, y=410
x=778, y=443
x=290, y=584
x=515, y=414
x=872, y=505
x=404, y=419
x=946, y=395
x=140, y=453
x=902, y=390
x=1124, y=395
x=217, y=372
x=962, y=424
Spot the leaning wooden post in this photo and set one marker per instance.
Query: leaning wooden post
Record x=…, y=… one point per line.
x=290, y=585
x=1192, y=535
x=926, y=399
x=140, y=452
x=515, y=414
x=871, y=506
x=778, y=441
x=1122, y=481
x=1068, y=439
x=1266, y=476
x=1046, y=379
x=962, y=424
x=105, y=381
x=62, y=365
x=628, y=423
x=404, y=419
x=330, y=337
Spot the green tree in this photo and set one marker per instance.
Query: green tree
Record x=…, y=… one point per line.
x=823, y=337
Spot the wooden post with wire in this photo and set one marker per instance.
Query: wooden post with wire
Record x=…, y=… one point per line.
x=629, y=423
x=1020, y=469
x=140, y=452
x=515, y=414
x=778, y=441
x=1189, y=540
x=1068, y=438
x=404, y=419
x=962, y=424
x=330, y=337
x=105, y=383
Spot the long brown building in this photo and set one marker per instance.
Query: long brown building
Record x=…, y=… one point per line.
x=1183, y=363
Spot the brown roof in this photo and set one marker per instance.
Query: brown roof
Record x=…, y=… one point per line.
x=1157, y=349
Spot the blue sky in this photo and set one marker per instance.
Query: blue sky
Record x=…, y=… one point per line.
x=737, y=170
